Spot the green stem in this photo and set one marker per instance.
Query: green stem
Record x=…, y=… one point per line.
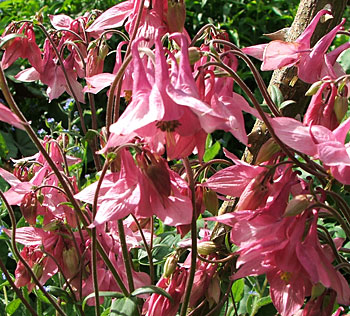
x=189, y=284
x=24, y=262
x=148, y=250
x=126, y=257
x=65, y=185
x=16, y=289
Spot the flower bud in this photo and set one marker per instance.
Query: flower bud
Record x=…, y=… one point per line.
x=95, y=59
x=70, y=261
x=52, y=226
x=340, y=107
x=29, y=207
x=267, y=150
x=194, y=54
x=38, y=270
x=211, y=201
x=176, y=15
x=314, y=88
x=170, y=265
x=317, y=290
x=255, y=194
x=205, y=248
x=298, y=204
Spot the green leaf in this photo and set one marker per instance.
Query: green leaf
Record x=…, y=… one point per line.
x=104, y=294
x=211, y=152
x=3, y=147
x=276, y=95
x=152, y=289
x=344, y=60
x=42, y=297
x=107, y=312
x=126, y=306
x=91, y=134
x=12, y=306
x=264, y=301
x=58, y=292
x=238, y=290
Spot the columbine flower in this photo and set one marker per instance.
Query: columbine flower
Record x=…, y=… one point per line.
x=313, y=63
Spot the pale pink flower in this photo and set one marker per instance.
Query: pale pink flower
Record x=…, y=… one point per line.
x=313, y=63
x=159, y=305
x=134, y=190
x=319, y=142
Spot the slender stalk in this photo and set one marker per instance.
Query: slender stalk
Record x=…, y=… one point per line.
x=94, y=271
x=126, y=257
x=201, y=31
x=16, y=289
x=70, y=87
x=60, y=269
x=260, y=82
x=339, y=218
x=189, y=284
x=148, y=250
x=110, y=102
x=64, y=183
x=228, y=258
x=24, y=262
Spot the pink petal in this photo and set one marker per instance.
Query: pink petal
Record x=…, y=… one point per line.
x=232, y=180
x=294, y=134
x=333, y=154
x=60, y=21
x=256, y=51
x=112, y=18
x=28, y=236
x=98, y=82
x=6, y=115
x=279, y=54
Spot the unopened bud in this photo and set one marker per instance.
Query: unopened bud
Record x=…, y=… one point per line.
x=176, y=15
x=170, y=265
x=38, y=270
x=29, y=207
x=211, y=201
x=267, y=150
x=298, y=204
x=52, y=226
x=317, y=290
x=194, y=54
x=340, y=107
x=314, y=88
x=205, y=248
x=254, y=195
x=70, y=260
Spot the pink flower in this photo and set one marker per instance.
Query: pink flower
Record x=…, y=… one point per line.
x=319, y=142
x=24, y=47
x=313, y=63
x=321, y=107
x=159, y=305
x=142, y=192
x=278, y=246
x=233, y=180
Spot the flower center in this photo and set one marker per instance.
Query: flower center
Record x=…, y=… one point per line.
x=168, y=126
x=286, y=276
